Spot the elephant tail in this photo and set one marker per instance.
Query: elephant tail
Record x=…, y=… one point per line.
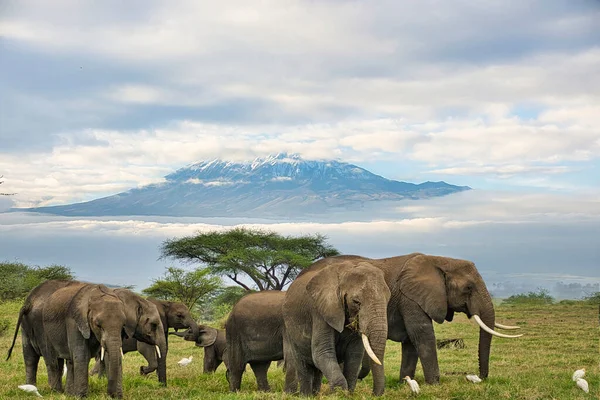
x=21, y=312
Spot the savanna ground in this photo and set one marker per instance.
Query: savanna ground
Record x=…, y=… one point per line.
x=558, y=339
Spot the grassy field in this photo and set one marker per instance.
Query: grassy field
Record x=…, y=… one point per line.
x=558, y=339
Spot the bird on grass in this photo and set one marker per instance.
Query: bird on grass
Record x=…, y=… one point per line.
x=414, y=385
x=185, y=361
x=578, y=374
x=582, y=383
x=473, y=378
x=30, y=389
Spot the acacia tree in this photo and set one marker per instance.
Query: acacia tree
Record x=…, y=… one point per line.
x=4, y=194
x=192, y=288
x=252, y=258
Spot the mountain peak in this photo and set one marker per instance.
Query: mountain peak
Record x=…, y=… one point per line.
x=278, y=185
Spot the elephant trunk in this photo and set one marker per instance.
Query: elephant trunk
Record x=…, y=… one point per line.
x=485, y=311
x=193, y=327
x=161, y=355
x=375, y=330
x=114, y=364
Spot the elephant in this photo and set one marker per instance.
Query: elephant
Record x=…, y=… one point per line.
x=33, y=336
x=254, y=335
x=332, y=314
x=425, y=288
x=172, y=315
x=214, y=343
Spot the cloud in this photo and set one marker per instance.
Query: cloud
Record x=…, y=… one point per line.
x=103, y=98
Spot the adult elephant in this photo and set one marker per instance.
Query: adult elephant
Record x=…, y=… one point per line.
x=171, y=315
x=254, y=335
x=33, y=336
x=327, y=310
x=214, y=343
x=426, y=288
x=80, y=320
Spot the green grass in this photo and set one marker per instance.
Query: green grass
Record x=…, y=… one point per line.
x=558, y=339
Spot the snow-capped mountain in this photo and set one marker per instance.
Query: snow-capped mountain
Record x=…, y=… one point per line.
x=283, y=185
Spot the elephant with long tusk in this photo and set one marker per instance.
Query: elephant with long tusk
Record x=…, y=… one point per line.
x=333, y=314
x=426, y=288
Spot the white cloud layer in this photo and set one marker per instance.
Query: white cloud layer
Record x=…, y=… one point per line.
x=441, y=86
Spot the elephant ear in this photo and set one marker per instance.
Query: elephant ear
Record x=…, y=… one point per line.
x=207, y=336
x=79, y=310
x=424, y=283
x=324, y=290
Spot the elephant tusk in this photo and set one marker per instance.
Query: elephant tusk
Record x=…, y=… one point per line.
x=102, y=353
x=507, y=327
x=491, y=331
x=157, y=350
x=369, y=350
x=122, y=355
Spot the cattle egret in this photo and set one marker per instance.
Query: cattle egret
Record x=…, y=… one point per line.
x=473, y=378
x=414, y=385
x=185, y=361
x=582, y=383
x=32, y=389
x=578, y=374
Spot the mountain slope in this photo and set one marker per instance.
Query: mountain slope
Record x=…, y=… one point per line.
x=276, y=186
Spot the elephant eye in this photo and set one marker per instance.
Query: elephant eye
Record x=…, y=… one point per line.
x=154, y=326
x=356, y=302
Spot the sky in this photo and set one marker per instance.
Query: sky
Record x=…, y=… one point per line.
x=502, y=96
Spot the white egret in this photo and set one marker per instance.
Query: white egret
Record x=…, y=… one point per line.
x=582, y=383
x=414, y=385
x=30, y=389
x=185, y=361
x=578, y=374
x=473, y=378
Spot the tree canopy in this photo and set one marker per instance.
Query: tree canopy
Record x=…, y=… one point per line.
x=4, y=194
x=252, y=258
x=18, y=279
x=192, y=288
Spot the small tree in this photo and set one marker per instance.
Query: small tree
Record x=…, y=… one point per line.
x=192, y=288
x=267, y=259
x=18, y=279
x=4, y=194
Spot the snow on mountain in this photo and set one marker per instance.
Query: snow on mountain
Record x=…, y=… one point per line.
x=281, y=185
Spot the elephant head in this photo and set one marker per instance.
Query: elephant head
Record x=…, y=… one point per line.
x=98, y=312
x=144, y=324
x=206, y=336
x=179, y=317
x=442, y=286
x=355, y=296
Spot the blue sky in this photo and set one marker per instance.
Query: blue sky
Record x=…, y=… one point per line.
x=503, y=96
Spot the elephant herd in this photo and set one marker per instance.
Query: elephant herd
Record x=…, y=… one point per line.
x=333, y=321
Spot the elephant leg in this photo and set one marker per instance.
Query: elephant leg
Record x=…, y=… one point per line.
x=80, y=375
x=54, y=368
x=305, y=373
x=353, y=357
x=324, y=354
x=99, y=368
x=235, y=377
x=423, y=339
x=70, y=377
x=32, y=360
x=409, y=360
x=317, y=380
x=260, y=372
x=365, y=367
x=149, y=353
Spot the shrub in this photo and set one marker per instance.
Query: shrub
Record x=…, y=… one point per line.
x=541, y=296
x=593, y=298
x=4, y=325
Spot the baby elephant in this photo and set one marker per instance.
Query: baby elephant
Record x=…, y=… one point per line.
x=213, y=341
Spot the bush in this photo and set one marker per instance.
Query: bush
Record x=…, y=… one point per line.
x=541, y=296
x=4, y=325
x=593, y=298
x=18, y=279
